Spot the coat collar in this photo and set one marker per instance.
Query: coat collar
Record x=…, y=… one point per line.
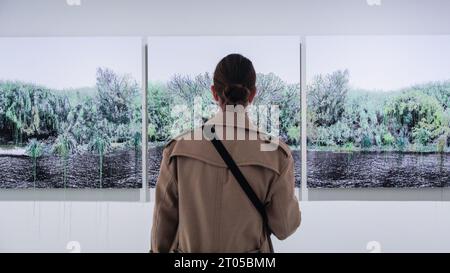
x=233, y=117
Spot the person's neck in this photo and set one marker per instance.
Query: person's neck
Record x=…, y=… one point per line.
x=234, y=108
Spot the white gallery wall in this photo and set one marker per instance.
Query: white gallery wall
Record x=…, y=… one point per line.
x=327, y=227
x=350, y=224
x=216, y=17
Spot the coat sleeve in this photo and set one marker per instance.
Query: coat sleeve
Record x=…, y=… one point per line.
x=165, y=214
x=283, y=210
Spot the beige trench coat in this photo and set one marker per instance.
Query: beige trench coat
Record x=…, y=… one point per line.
x=199, y=205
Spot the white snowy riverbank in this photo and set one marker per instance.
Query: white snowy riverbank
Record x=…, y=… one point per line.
x=12, y=151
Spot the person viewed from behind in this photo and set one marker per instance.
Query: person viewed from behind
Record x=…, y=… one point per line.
x=200, y=206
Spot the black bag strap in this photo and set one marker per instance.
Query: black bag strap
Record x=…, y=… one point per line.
x=243, y=183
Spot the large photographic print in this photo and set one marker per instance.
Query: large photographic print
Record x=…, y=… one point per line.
x=70, y=112
x=378, y=111
x=180, y=75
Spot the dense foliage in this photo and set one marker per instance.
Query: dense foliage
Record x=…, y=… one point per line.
x=184, y=102
x=109, y=112
x=411, y=119
x=64, y=122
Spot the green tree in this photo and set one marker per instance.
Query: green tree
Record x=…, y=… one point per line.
x=34, y=149
x=191, y=97
x=326, y=97
x=273, y=91
x=115, y=96
x=64, y=145
x=419, y=115
x=159, y=112
x=290, y=114
x=100, y=144
x=438, y=90
x=184, y=89
x=82, y=120
x=30, y=111
x=270, y=89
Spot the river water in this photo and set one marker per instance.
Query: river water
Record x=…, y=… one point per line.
x=120, y=169
x=377, y=169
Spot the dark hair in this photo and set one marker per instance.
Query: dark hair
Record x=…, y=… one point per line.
x=234, y=77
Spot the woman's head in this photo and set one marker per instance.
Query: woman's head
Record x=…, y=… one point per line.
x=234, y=81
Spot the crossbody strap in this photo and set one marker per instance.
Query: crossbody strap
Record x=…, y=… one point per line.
x=240, y=178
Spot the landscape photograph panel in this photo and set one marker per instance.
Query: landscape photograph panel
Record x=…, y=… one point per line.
x=180, y=72
x=378, y=111
x=70, y=112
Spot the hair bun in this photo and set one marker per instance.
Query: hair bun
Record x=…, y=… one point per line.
x=236, y=93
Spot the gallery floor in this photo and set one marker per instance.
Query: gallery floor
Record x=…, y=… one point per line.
x=338, y=226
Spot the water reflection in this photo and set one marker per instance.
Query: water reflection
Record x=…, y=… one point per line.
x=377, y=169
x=120, y=169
